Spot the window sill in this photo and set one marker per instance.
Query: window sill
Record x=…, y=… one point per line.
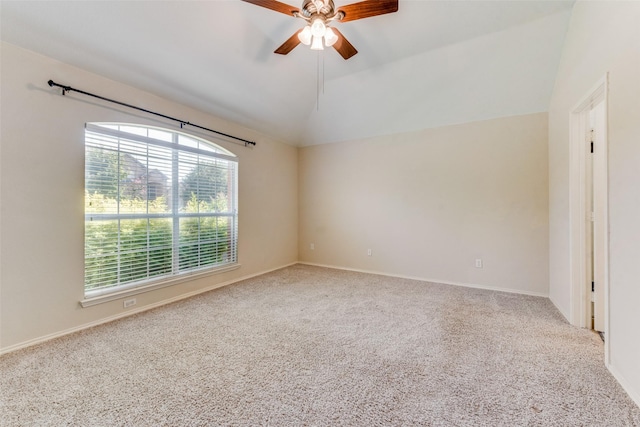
x=89, y=300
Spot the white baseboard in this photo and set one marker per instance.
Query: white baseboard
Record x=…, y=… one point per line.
x=633, y=394
x=54, y=335
x=424, y=279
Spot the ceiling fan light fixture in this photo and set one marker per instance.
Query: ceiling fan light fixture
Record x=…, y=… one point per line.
x=317, y=43
x=317, y=13
x=330, y=37
x=305, y=36
x=318, y=27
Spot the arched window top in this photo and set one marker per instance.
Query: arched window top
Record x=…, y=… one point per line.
x=161, y=135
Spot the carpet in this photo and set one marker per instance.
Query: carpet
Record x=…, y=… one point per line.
x=310, y=346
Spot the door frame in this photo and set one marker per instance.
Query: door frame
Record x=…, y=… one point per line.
x=580, y=305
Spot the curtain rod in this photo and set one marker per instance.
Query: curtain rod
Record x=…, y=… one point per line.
x=66, y=89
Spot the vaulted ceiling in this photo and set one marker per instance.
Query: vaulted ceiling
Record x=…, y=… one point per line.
x=430, y=64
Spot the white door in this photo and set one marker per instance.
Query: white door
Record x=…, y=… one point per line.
x=599, y=203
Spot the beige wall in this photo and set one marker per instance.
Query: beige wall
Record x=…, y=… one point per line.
x=429, y=203
x=603, y=37
x=42, y=175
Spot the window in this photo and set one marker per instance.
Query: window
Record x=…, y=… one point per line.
x=158, y=204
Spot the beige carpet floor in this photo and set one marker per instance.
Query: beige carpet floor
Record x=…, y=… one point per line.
x=308, y=346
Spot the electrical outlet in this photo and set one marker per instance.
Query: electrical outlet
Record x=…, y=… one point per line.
x=478, y=263
x=129, y=302
x=368, y=252
x=312, y=246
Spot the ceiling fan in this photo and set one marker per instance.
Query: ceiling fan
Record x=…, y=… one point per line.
x=318, y=14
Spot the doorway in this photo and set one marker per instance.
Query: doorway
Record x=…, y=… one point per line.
x=589, y=213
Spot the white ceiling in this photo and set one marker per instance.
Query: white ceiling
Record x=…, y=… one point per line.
x=430, y=64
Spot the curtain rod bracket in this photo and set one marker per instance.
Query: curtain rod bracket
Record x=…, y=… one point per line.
x=66, y=89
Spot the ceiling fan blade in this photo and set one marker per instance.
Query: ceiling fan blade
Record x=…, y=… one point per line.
x=289, y=45
x=343, y=46
x=367, y=9
x=275, y=5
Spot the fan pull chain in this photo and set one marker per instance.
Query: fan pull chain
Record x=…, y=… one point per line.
x=319, y=79
x=323, y=72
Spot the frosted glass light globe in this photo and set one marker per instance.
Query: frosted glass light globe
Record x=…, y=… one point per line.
x=318, y=28
x=330, y=37
x=305, y=35
x=317, y=43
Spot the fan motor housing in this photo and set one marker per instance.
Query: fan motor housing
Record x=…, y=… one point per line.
x=310, y=8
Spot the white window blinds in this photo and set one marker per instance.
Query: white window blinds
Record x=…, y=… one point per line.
x=158, y=203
